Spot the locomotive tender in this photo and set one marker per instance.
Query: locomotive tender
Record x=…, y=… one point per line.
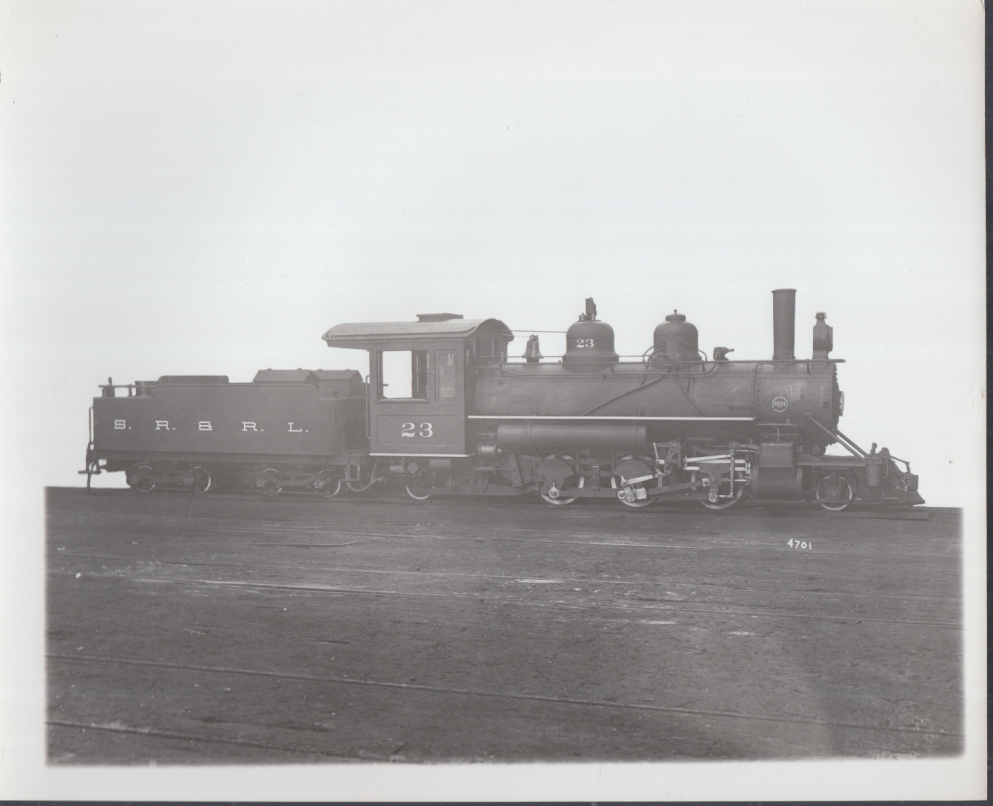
x=444, y=411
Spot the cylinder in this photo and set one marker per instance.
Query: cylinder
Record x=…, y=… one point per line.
x=783, y=323
x=776, y=475
x=777, y=483
x=559, y=438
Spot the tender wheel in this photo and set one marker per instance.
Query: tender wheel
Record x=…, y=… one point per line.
x=201, y=480
x=271, y=485
x=416, y=493
x=847, y=495
x=140, y=482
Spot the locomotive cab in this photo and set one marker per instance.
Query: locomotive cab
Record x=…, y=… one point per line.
x=417, y=383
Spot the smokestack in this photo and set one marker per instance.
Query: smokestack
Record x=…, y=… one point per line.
x=783, y=323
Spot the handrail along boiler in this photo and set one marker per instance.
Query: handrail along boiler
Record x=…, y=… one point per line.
x=444, y=411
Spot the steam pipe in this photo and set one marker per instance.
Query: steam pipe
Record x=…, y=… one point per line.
x=846, y=443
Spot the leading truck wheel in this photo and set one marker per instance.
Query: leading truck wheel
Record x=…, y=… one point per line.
x=845, y=496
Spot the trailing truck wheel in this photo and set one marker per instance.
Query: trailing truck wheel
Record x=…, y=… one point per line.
x=140, y=482
x=359, y=486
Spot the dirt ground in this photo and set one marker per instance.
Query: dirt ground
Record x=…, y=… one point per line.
x=225, y=629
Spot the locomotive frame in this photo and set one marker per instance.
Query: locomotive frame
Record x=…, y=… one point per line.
x=444, y=411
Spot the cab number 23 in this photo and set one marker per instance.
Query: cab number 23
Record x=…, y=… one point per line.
x=414, y=430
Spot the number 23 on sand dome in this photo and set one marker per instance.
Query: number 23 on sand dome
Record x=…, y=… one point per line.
x=589, y=343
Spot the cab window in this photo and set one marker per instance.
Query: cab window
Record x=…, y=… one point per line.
x=489, y=349
x=446, y=374
x=402, y=374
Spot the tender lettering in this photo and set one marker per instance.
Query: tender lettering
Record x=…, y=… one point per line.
x=206, y=426
x=161, y=425
x=295, y=430
x=120, y=425
x=248, y=427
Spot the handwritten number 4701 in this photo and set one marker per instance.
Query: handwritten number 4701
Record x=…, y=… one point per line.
x=797, y=544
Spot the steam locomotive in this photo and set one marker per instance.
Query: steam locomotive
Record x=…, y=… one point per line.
x=445, y=411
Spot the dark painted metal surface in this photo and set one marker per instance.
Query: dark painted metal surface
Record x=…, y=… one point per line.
x=776, y=393
x=783, y=323
x=676, y=339
x=227, y=419
x=529, y=437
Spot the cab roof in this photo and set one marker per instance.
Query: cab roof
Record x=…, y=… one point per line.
x=370, y=335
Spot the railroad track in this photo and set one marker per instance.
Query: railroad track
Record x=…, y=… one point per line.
x=745, y=509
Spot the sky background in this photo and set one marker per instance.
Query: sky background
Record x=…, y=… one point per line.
x=206, y=188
